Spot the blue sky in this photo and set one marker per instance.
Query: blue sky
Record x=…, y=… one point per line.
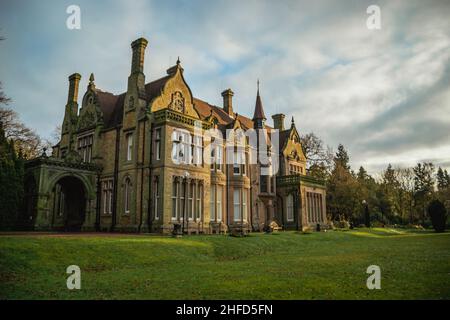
x=384, y=94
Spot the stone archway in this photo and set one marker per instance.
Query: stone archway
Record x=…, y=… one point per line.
x=70, y=202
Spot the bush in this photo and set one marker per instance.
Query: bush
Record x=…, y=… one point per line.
x=378, y=224
x=343, y=224
x=438, y=215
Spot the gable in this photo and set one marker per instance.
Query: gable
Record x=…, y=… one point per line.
x=175, y=95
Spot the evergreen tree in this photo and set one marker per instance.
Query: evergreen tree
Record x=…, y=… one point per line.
x=11, y=183
x=423, y=187
x=342, y=158
x=443, y=179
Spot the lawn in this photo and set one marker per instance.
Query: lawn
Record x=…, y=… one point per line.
x=284, y=265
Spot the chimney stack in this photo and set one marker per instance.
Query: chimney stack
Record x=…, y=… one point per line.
x=278, y=121
x=137, y=63
x=228, y=102
x=74, y=82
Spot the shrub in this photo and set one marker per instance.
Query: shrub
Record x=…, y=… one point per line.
x=343, y=224
x=438, y=215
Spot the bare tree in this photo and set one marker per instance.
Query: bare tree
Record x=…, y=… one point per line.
x=316, y=152
x=3, y=98
x=25, y=139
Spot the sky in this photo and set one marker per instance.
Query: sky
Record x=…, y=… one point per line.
x=384, y=94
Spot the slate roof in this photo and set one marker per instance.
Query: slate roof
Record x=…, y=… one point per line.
x=112, y=107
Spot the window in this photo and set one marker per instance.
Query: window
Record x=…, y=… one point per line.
x=236, y=164
x=175, y=199
x=212, y=203
x=129, y=146
x=219, y=203
x=85, y=147
x=315, y=209
x=181, y=147
x=237, y=204
x=156, y=198
x=219, y=161
x=199, y=201
x=127, y=195
x=198, y=150
x=182, y=200
x=244, y=204
x=158, y=144
x=290, y=208
x=107, y=196
x=213, y=159
x=191, y=201
x=263, y=183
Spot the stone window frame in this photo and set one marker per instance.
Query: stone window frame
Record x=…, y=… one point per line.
x=129, y=146
x=128, y=195
x=107, y=194
x=85, y=143
x=156, y=198
x=290, y=207
x=158, y=142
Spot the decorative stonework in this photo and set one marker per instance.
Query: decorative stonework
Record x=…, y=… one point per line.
x=177, y=103
x=87, y=120
x=169, y=115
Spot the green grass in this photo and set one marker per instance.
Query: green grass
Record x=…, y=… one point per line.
x=285, y=265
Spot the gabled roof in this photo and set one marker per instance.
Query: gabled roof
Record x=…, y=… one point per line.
x=205, y=110
x=112, y=107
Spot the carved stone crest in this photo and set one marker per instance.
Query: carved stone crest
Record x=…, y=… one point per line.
x=177, y=103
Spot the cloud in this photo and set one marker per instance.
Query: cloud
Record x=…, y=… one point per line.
x=383, y=94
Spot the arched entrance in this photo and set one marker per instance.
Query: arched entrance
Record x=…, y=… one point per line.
x=70, y=203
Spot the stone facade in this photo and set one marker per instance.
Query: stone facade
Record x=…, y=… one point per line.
x=134, y=162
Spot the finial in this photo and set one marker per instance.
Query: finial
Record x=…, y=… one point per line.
x=178, y=60
x=292, y=122
x=91, y=82
x=257, y=84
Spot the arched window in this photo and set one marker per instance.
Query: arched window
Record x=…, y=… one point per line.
x=127, y=195
x=290, y=208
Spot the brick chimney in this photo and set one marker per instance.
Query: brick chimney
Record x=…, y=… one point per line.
x=74, y=83
x=228, y=102
x=137, y=63
x=278, y=121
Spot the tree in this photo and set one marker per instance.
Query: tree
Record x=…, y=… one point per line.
x=423, y=186
x=25, y=139
x=343, y=197
x=443, y=179
x=438, y=215
x=3, y=98
x=320, y=158
x=341, y=158
x=405, y=177
x=11, y=182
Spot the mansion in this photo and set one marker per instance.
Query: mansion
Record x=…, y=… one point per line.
x=132, y=162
